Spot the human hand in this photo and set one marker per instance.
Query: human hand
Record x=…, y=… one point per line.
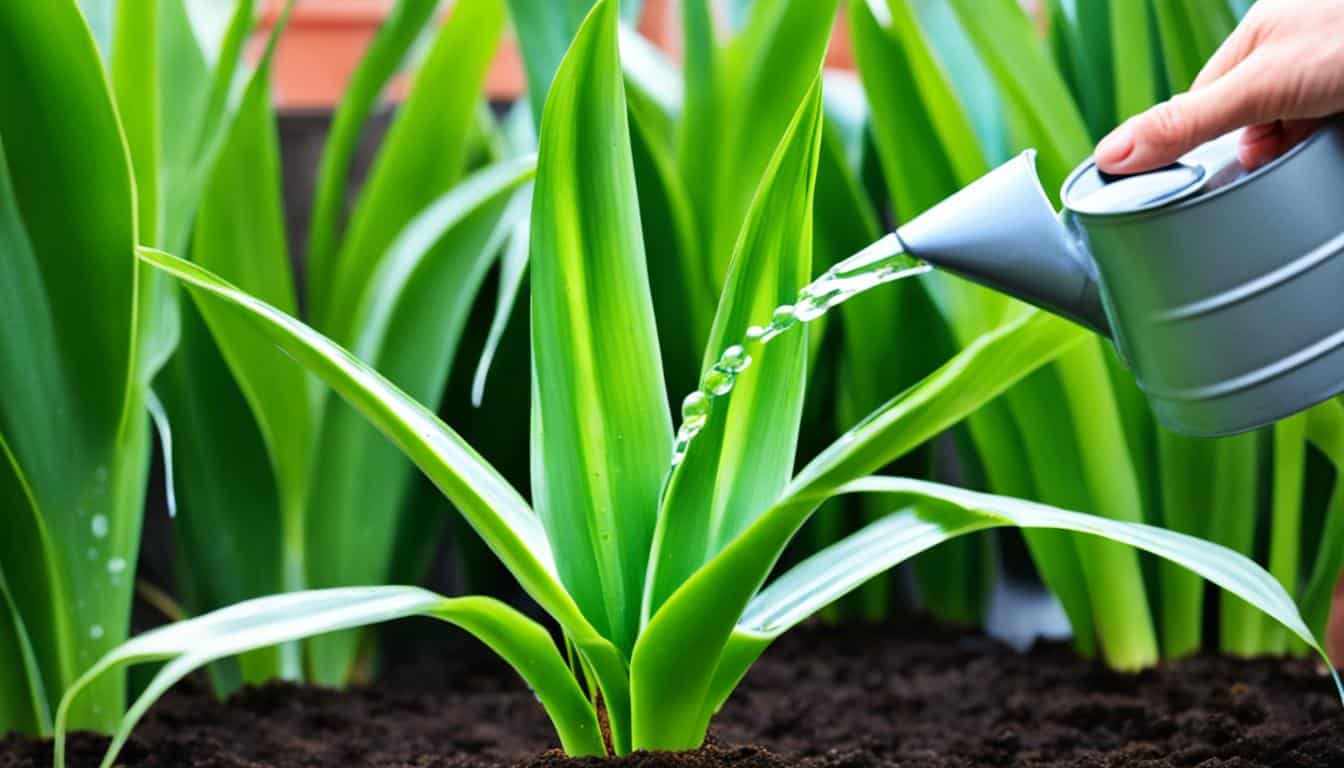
x=1279, y=73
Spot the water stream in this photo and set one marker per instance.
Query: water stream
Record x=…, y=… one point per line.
x=882, y=262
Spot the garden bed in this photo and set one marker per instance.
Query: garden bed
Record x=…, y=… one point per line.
x=916, y=696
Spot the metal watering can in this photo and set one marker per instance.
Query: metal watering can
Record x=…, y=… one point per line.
x=1222, y=289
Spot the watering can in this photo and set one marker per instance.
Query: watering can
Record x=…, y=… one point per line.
x=1222, y=289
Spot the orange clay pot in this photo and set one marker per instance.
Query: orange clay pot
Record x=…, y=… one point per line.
x=325, y=40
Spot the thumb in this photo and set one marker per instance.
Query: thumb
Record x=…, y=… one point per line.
x=1162, y=134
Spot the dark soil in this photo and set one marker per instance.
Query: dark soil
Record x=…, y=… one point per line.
x=823, y=697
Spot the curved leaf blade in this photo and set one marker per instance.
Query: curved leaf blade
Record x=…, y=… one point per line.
x=605, y=430
x=410, y=323
x=266, y=621
x=744, y=455
x=384, y=56
x=424, y=154
x=492, y=506
x=674, y=663
x=73, y=433
x=941, y=513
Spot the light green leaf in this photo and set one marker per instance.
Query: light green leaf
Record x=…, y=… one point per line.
x=72, y=425
x=683, y=301
x=1325, y=430
x=940, y=513
x=545, y=29
x=1029, y=82
x=745, y=453
x=675, y=660
x=410, y=321
x=494, y=508
x=191, y=644
x=605, y=431
x=423, y=155
x=385, y=55
x=260, y=404
x=512, y=273
x=761, y=78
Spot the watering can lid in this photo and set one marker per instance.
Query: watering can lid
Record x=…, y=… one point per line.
x=1090, y=191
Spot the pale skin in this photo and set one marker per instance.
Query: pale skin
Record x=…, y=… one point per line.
x=1278, y=75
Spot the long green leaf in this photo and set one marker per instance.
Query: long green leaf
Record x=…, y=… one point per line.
x=764, y=74
x=940, y=513
x=423, y=155
x=260, y=404
x=674, y=662
x=1286, y=500
x=72, y=424
x=486, y=500
x=410, y=321
x=188, y=645
x=683, y=302
x=744, y=455
x=386, y=53
x=24, y=707
x=1325, y=430
x=605, y=431
x=545, y=29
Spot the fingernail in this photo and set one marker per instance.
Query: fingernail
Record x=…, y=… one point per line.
x=1117, y=146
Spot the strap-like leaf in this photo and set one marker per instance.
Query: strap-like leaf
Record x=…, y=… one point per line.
x=189, y=645
x=423, y=155
x=410, y=322
x=1325, y=430
x=493, y=508
x=744, y=455
x=941, y=513
x=677, y=654
x=488, y=502
x=386, y=53
x=762, y=77
x=605, y=431
x=72, y=423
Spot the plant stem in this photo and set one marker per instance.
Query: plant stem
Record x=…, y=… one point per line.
x=1187, y=478
x=1290, y=459
x=1235, y=487
x=1119, y=598
x=1053, y=459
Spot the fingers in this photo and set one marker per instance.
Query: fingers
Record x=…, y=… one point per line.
x=1162, y=134
x=1232, y=52
x=1263, y=142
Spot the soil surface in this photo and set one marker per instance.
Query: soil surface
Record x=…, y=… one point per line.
x=822, y=697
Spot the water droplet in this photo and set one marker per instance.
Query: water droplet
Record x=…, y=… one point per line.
x=695, y=406
x=96, y=631
x=882, y=262
x=99, y=526
x=116, y=565
x=717, y=382
x=733, y=360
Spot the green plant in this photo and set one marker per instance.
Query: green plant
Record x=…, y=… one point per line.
x=658, y=594
x=281, y=487
x=74, y=432
x=934, y=73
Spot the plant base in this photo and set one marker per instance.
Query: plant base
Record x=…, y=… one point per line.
x=822, y=698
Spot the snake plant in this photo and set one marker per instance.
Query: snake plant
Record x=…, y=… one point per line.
x=654, y=579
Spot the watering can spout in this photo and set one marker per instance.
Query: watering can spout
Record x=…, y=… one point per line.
x=1003, y=233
